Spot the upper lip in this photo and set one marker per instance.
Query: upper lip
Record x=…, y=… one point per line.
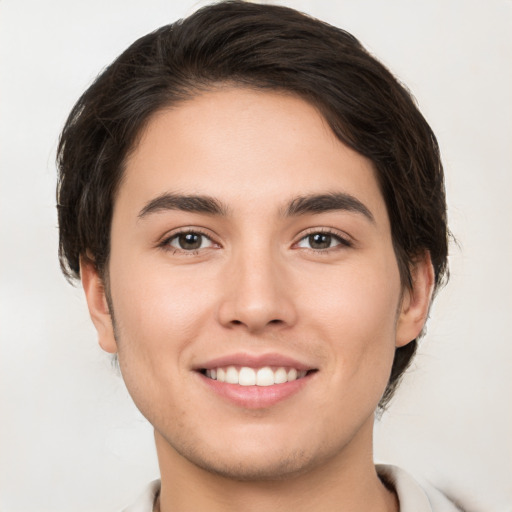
x=254, y=361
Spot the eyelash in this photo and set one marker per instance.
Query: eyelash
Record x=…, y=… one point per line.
x=344, y=242
x=166, y=243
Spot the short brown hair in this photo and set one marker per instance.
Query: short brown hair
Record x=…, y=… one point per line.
x=265, y=47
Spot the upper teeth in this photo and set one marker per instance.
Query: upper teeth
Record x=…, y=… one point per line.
x=246, y=376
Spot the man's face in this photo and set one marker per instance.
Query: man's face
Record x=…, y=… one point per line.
x=224, y=260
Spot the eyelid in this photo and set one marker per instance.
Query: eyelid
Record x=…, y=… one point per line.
x=344, y=239
x=164, y=241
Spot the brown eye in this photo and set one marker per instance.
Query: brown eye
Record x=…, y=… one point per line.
x=190, y=241
x=320, y=240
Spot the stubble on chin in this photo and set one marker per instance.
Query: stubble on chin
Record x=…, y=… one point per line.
x=249, y=469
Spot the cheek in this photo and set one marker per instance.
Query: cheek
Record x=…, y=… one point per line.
x=157, y=320
x=158, y=312
x=357, y=297
x=356, y=313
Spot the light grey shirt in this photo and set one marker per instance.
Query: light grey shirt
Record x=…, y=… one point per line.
x=411, y=496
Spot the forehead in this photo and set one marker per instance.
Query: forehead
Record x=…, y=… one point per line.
x=245, y=146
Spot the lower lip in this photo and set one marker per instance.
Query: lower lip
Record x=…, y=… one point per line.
x=256, y=397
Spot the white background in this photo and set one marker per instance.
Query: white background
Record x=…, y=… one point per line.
x=70, y=438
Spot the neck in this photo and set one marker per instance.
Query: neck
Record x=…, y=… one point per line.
x=348, y=481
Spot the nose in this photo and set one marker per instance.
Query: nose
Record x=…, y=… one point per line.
x=257, y=294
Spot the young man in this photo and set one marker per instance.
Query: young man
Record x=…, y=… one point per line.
x=255, y=208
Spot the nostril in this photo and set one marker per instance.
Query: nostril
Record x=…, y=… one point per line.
x=256, y=323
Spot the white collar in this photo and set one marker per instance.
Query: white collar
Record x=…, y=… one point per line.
x=411, y=496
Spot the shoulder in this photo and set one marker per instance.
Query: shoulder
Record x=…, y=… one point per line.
x=412, y=496
x=146, y=500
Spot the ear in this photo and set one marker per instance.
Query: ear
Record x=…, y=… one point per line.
x=415, y=301
x=98, y=306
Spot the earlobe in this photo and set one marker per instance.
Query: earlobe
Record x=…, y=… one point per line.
x=415, y=303
x=97, y=303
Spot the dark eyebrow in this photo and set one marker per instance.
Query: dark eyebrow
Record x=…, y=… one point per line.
x=186, y=203
x=309, y=204
x=321, y=203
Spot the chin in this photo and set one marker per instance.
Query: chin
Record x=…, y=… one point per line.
x=249, y=469
x=246, y=461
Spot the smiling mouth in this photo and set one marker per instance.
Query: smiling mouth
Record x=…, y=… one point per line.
x=247, y=376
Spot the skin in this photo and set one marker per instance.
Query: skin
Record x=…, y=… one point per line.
x=256, y=286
